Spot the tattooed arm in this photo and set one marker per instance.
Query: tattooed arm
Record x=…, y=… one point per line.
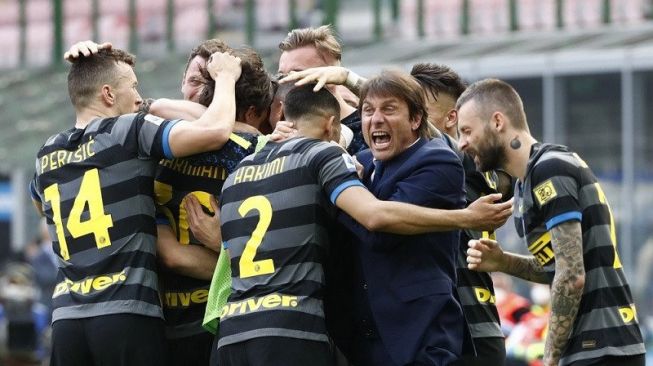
x=566, y=289
x=485, y=255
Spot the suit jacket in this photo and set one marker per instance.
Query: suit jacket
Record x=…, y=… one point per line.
x=410, y=279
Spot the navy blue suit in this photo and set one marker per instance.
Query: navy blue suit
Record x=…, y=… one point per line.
x=409, y=280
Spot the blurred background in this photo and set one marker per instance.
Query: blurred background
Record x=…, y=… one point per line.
x=584, y=69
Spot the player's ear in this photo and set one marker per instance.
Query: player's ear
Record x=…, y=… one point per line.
x=108, y=95
x=499, y=121
x=452, y=119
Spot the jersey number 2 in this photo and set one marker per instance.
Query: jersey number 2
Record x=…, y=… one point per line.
x=98, y=222
x=248, y=266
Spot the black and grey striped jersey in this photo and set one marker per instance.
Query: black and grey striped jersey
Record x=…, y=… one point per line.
x=96, y=189
x=275, y=210
x=184, y=298
x=559, y=187
x=475, y=289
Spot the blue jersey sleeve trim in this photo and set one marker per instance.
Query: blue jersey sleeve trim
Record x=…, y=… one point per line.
x=567, y=216
x=166, y=143
x=162, y=221
x=225, y=245
x=32, y=191
x=339, y=189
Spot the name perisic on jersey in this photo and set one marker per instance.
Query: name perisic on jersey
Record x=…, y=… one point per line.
x=59, y=158
x=258, y=172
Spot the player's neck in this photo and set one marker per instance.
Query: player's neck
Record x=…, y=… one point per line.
x=518, y=153
x=84, y=116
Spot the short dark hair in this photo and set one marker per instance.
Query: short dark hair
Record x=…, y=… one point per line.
x=436, y=79
x=401, y=85
x=493, y=95
x=206, y=49
x=88, y=73
x=253, y=88
x=302, y=102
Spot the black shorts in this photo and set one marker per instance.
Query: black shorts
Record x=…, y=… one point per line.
x=193, y=350
x=489, y=351
x=266, y=351
x=637, y=360
x=116, y=340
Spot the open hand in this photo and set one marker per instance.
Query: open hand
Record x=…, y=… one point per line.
x=336, y=75
x=223, y=63
x=283, y=131
x=485, y=215
x=205, y=228
x=84, y=49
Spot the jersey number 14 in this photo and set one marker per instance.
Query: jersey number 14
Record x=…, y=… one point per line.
x=98, y=222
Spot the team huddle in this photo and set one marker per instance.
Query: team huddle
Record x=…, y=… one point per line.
x=316, y=217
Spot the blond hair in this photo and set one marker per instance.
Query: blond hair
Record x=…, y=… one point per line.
x=322, y=38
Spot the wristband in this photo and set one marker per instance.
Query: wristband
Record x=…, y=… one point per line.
x=352, y=79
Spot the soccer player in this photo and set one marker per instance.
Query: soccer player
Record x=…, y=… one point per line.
x=565, y=220
x=275, y=209
x=188, y=262
x=315, y=47
x=442, y=87
x=94, y=183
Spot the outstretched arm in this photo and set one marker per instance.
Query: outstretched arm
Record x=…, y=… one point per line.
x=336, y=75
x=189, y=111
x=402, y=218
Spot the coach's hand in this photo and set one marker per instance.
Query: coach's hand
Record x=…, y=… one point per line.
x=221, y=63
x=484, y=214
x=85, y=49
x=484, y=255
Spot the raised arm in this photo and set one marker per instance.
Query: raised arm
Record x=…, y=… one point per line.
x=187, y=110
x=329, y=75
x=213, y=128
x=335, y=75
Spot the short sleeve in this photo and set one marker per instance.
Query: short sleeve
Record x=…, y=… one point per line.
x=33, y=189
x=144, y=134
x=335, y=170
x=555, y=191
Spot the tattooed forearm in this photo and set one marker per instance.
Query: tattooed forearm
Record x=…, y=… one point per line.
x=526, y=267
x=566, y=289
